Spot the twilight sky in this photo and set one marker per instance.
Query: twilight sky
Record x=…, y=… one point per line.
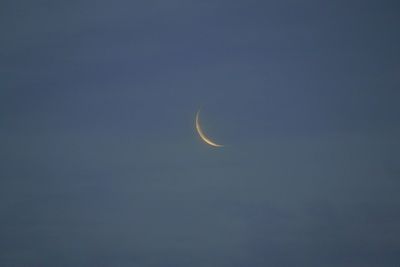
x=100, y=164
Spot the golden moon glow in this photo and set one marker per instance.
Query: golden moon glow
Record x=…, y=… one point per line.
x=202, y=135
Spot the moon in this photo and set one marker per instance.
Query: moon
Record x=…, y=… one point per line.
x=202, y=135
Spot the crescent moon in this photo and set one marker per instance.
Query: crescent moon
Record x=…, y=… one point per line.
x=202, y=135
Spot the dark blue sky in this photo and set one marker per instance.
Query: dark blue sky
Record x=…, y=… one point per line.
x=100, y=164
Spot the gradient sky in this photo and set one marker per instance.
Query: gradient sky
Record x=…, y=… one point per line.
x=100, y=164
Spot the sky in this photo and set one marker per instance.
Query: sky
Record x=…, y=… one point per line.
x=101, y=165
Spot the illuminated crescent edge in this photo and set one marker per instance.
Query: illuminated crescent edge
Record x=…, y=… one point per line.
x=201, y=133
